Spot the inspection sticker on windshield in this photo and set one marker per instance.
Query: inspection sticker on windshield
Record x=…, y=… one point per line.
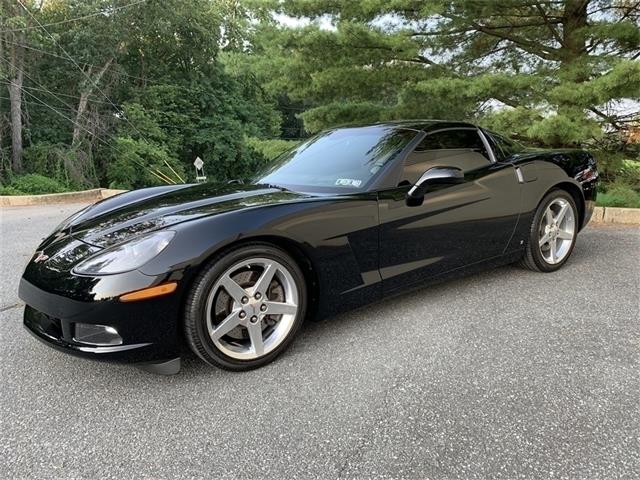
x=348, y=182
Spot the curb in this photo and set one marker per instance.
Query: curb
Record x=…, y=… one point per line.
x=84, y=196
x=628, y=216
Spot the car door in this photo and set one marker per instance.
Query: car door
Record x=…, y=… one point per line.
x=456, y=225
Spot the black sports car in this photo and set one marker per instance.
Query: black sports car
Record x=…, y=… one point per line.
x=346, y=218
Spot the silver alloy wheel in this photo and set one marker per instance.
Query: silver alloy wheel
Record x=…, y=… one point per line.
x=255, y=317
x=556, y=232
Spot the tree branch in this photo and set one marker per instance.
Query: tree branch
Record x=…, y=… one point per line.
x=547, y=22
x=493, y=27
x=548, y=53
x=604, y=116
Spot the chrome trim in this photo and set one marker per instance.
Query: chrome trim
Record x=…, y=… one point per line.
x=487, y=146
x=119, y=348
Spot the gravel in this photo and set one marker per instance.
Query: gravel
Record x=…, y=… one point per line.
x=504, y=374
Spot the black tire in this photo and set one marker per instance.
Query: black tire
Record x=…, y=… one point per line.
x=533, y=258
x=195, y=318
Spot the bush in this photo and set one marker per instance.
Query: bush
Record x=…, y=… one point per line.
x=618, y=167
x=609, y=164
x=34, y=184
x=9, y=190
x=72, y=168
x=630, y=173
x=619, y=195
x=135, y=163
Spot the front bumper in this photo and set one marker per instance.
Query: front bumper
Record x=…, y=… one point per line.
x=149, y=329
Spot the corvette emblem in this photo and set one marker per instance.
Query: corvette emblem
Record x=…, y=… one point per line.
x=41, y=257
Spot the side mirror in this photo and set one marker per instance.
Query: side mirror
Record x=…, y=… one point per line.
x=433, y=176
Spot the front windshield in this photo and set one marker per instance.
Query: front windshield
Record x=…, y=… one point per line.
x=343, y=159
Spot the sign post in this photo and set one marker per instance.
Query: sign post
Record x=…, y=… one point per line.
x=200, y=176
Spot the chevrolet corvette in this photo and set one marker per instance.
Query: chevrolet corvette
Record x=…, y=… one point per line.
x=348, y=217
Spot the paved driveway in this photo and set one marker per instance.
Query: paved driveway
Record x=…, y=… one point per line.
x=504, y=374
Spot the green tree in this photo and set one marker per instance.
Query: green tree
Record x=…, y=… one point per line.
x=203, y=108
x=112, y=87
x=555, y=70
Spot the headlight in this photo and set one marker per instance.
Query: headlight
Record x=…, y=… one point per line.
x=126, y=256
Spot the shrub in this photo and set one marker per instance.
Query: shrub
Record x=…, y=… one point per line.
x=46, y=159
x=72, y=168
x=9, y=190
x=619, y=195
x=618, y=160
x=34, y=184
x=135, y=163
x=630, y=173
x=609, y=164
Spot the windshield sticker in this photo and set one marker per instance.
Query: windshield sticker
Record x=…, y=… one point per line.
x=348, y=182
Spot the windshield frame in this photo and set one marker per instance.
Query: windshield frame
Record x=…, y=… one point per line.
x=504, y=155
x=377, y=181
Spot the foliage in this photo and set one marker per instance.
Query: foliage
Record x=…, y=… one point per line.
x=619, y=195
x=137, y=87
x=270, y=149
x=9, y=190
x=134, y=162
x=336, y=113
x=33, y=184
x=124, y=97
x=58, y=162
x=630, y=173
x=551, y=72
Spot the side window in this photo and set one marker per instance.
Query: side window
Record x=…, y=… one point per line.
x=461, y=148
x=452, y=139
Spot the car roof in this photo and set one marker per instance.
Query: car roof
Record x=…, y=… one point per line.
x=426, y=125
x=419, y=125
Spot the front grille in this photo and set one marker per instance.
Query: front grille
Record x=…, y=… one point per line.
x=43, y=323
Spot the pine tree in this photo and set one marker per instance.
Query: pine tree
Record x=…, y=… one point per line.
x=555, y=72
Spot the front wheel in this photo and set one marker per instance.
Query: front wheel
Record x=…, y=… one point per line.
x=553, y=233
x=245, y=307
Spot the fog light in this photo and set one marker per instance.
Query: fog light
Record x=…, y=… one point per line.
x=99, y=335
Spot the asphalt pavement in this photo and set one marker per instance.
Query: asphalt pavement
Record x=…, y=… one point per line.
x=504, y=374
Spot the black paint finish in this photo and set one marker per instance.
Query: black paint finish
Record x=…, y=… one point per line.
x=457, y=225
x=354, y=248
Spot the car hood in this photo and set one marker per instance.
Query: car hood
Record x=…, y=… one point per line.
x=133, y=213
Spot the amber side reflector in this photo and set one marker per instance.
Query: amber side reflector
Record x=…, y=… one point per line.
x=157, y=291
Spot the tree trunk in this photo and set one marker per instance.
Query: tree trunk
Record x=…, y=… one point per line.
x=77, y=126
x=13, y=54
x=84, y=99
x=573, y=43
x=1, y=106
x=572, y=49
x=15, y=99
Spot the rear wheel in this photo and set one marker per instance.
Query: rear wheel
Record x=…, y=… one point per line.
x=245, y=307
x=553, y=232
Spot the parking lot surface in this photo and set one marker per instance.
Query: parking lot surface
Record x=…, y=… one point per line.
x=504, y=374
